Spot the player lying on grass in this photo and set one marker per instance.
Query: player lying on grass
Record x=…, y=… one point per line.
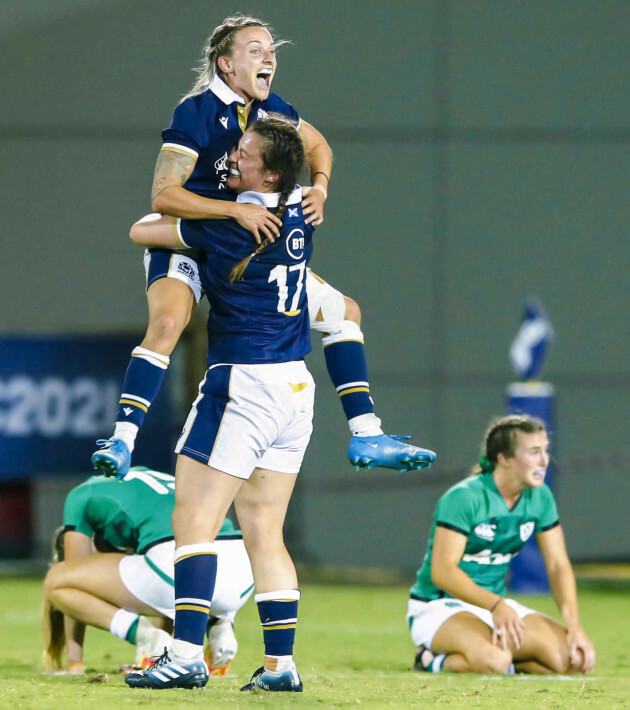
x=116, y=590
x=459, y=617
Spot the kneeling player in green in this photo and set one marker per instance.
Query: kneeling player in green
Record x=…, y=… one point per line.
x=458, y=615
x=114, y=567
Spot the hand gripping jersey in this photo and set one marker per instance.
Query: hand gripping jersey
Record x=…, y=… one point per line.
x=495, y=533
x=206, y=127
x=131, y=515
x=262, y=317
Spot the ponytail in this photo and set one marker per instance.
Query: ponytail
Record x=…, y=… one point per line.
x=238, y=271
x=500, y=438
x=54, y=636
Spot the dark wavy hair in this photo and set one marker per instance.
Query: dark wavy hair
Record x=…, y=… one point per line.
x=282, y=152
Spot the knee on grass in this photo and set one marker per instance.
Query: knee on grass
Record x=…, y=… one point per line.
x=492, y=660
x=559, y=662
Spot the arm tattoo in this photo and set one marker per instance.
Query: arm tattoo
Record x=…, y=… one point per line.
x=171, y=169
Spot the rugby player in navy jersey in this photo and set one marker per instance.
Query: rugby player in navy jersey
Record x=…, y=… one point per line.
x=191, y=182
x=247, y=431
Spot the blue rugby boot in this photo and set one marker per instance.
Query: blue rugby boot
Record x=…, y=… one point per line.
x=385, y=451
x=113, y=458
x=278, y=681
x=165, y=673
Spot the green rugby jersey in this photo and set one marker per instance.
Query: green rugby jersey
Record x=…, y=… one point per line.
x=130, y=515
x=495, y=533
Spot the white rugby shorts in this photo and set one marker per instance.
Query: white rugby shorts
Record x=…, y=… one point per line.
x=251, y=416
x=150, y=578
x=425, y=618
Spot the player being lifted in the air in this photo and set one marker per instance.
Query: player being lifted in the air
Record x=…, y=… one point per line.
x=232, y=92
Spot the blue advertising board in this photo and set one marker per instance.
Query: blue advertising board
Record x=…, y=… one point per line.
x=58, y=394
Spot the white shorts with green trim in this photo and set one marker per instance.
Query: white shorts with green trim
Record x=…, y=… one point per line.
x=150, y=578
x=425, y=618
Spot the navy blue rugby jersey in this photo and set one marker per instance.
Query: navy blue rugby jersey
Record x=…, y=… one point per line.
x=208, y=126
x=263, y=317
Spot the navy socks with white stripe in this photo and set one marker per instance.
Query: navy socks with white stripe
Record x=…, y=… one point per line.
x=195, y=577
x=142, y=383
x=278, y=617
x=347, y=366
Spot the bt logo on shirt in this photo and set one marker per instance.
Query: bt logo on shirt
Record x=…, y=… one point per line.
x=295, y=244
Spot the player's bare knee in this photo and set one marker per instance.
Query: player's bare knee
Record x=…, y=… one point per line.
x=491, y=661
x=54, y=579
x=260, y=540
x=572, y=669
x=190, y=523
x=353, y=312
x=256, y=537
x=49, y=584
x=163, y=332
x=559, y=662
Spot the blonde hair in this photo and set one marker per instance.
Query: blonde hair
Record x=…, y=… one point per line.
x=54, y=637
x=52, y=620
x=218, y=45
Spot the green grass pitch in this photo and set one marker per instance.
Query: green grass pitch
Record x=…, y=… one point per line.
x=352, y=649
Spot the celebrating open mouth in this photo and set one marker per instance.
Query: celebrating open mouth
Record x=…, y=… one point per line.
x=263, y=78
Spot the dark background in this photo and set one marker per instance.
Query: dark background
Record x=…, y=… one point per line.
x=481, y=157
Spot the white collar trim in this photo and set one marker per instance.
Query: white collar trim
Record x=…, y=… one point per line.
x=223, y=91
x=269, y=199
